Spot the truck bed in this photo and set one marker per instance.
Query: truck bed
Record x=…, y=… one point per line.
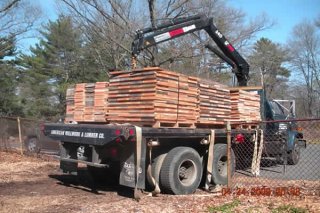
x=96, y=134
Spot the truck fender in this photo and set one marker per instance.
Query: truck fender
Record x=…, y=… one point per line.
x=292, y=135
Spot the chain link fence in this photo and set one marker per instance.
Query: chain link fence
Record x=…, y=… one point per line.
x=277, y=158
x=274, y=158
x=19, y=134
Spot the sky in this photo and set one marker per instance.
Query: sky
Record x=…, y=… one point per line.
x=286, y=14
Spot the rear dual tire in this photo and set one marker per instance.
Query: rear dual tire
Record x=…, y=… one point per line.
x=32, y=145
x=220, y=164
x=181, y=171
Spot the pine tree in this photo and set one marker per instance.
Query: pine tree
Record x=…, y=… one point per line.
x=59, y=60
x=9, y=76
x=267, y=62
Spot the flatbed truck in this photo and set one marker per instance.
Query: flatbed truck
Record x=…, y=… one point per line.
x=174, y=160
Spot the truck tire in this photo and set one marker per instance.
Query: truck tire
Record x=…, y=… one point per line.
x=220, y=164
x=181, y=171
x=155, y=169
x=294, y=155
x=32, y=145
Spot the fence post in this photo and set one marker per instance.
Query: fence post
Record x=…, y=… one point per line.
x=229, y=153
x=20, y=137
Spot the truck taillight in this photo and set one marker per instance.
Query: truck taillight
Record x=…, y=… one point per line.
x=118, y=132
x=131, y=131
x=239, y=138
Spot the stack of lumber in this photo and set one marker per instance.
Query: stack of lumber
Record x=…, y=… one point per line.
x=87, y=102
x=131, y=97
x=214, y=103
x=101, y=101
x=79, y=102
x=152, y=96
x=245, y=106
x=188, y=100
x=70, y=104
x=160, y=98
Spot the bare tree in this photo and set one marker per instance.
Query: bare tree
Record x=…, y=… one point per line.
x=108, y=26
x=17, y=17
x=189, y=50
x=305, y=50
x=111, y=25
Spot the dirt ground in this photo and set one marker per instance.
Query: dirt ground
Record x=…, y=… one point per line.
x=30, y=184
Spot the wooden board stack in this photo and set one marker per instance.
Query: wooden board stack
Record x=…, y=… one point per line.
x=152, y=97
x=245, y=106
x=214, y=103
x=70, y=104
x=79, y=102
x=131, y=96
x=188, y=111
x=100, y=101
x=160, y=98
x=87, y=102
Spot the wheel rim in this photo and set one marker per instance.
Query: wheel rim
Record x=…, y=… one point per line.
x=223, y=166
x=187, y=172
x=32, y=145
x=80, y=152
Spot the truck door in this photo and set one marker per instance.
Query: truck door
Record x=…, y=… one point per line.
x=278, y=114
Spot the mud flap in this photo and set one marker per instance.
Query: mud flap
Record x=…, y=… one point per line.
x=65, y=166
x=129, y=175
x=69, y=167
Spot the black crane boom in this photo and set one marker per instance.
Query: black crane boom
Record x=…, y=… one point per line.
x=181, y=26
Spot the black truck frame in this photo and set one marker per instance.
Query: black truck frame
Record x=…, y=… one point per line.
x=113, y=148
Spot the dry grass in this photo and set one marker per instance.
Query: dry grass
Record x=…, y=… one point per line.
x=35, y=185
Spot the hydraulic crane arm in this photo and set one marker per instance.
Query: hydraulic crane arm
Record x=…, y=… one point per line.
x=181, y=26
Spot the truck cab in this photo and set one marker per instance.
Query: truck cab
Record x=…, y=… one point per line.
x=283, y=139
x=281, y=132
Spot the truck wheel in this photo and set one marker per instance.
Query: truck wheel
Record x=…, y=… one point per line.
x=220, y=164
x=32, y=145
x=181, y=171
x=155, y=169
x=294, y=155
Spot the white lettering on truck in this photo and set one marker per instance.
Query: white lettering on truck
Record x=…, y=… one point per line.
x=57, y=132
x=78, y=134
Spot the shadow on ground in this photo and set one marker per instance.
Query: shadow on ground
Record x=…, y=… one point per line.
x=85, y=182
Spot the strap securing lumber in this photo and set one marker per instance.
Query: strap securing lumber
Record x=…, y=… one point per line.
x=261, y=144
x=156, y=189
x=257, y=154
x=137, y=195
x=254, y=157
x=210, y=159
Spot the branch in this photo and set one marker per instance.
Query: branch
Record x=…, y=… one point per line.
x=9, y=6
